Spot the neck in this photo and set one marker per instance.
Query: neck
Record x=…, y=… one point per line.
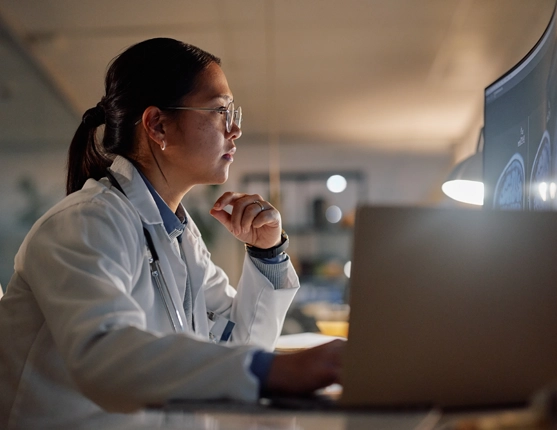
x=163, y=184
x=171, y=197
x=170, y=185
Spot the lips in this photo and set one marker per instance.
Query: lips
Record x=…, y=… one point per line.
x=229, y=156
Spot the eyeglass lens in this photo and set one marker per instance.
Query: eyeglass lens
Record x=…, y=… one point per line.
x=233, y=116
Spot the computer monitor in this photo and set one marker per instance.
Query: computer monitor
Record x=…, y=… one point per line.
x=520, y=131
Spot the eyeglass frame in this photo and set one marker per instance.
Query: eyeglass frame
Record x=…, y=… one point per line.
x=233, y=116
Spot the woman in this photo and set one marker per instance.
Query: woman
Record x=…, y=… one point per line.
x=115, y=304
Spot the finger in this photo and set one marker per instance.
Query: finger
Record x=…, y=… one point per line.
x=242, y=216
x=245, y=208
x=223, y=217
x=231, y=222
x=228, y=198
x=268, y=219
x=258, y=214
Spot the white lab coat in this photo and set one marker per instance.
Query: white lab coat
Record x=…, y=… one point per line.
x=83, y=330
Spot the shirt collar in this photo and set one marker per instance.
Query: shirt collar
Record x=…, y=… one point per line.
x=174, y=223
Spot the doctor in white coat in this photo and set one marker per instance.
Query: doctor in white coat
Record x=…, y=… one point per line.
x=115, y=304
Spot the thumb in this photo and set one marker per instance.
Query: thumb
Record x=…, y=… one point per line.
x=222, y=216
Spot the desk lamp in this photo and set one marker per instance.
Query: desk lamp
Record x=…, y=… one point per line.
x=464, y=183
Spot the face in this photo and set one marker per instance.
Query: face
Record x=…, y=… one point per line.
x=199, y=149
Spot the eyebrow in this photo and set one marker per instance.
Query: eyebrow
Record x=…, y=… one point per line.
x=223, y=96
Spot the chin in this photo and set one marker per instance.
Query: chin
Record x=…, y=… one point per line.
x=219, y=179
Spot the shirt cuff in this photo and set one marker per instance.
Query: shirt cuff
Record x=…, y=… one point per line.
x=274, y=269
x=261, y=366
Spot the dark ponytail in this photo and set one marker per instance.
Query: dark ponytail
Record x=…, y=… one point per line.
x=86, y=159
x=156, y=72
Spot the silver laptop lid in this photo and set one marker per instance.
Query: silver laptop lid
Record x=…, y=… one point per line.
x=451, y=307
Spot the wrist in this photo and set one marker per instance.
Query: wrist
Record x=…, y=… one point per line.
x=272, y=252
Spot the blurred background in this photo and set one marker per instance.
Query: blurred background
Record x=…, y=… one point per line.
x=345, y=102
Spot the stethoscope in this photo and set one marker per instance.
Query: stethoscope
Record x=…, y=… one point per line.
x=160, y=282
x=220, y=327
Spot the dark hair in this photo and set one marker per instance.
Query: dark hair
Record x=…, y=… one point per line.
x=156, y=72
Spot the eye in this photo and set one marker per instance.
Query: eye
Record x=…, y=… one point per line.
x=221, y=109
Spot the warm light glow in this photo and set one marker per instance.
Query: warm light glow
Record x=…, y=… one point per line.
x=542, y=188
x=333, y=214
x=336, y=184
x=471, y=192
x=347, y=268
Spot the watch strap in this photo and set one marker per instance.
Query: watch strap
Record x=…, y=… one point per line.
x=253, y=251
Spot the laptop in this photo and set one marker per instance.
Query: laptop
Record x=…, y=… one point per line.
x=451, y=307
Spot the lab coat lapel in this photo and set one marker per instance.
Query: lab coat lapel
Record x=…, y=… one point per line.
x=136, y=191
x=195, y=254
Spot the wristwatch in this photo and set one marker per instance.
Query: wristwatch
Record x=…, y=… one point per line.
x=253, y=251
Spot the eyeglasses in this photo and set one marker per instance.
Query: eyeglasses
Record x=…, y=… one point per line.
x=233, y=116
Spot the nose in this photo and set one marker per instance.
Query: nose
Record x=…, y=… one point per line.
x=235, y=132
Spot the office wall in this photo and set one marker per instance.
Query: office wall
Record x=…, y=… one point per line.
x=31, y=183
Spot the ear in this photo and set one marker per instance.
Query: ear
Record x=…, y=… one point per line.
x=154, y=124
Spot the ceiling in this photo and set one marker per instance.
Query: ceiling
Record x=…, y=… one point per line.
x=393, y=75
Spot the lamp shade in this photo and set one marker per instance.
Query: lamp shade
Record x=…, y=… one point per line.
x=464, y=183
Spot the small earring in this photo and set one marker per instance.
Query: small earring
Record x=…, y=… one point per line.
x=163, y=146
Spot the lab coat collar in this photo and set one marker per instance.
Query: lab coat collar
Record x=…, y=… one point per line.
x=172, y=223
x=136, y=190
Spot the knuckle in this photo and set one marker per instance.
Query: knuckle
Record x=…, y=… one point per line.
x=225, y=196
x=244, y=198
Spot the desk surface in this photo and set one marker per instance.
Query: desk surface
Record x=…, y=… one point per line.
x=227, y=416
x=242, y=419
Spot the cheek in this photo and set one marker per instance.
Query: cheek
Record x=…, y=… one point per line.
x=202, y=140
x=206, y=131
x=209, y=137
x=203, y=147
x=209, y=122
